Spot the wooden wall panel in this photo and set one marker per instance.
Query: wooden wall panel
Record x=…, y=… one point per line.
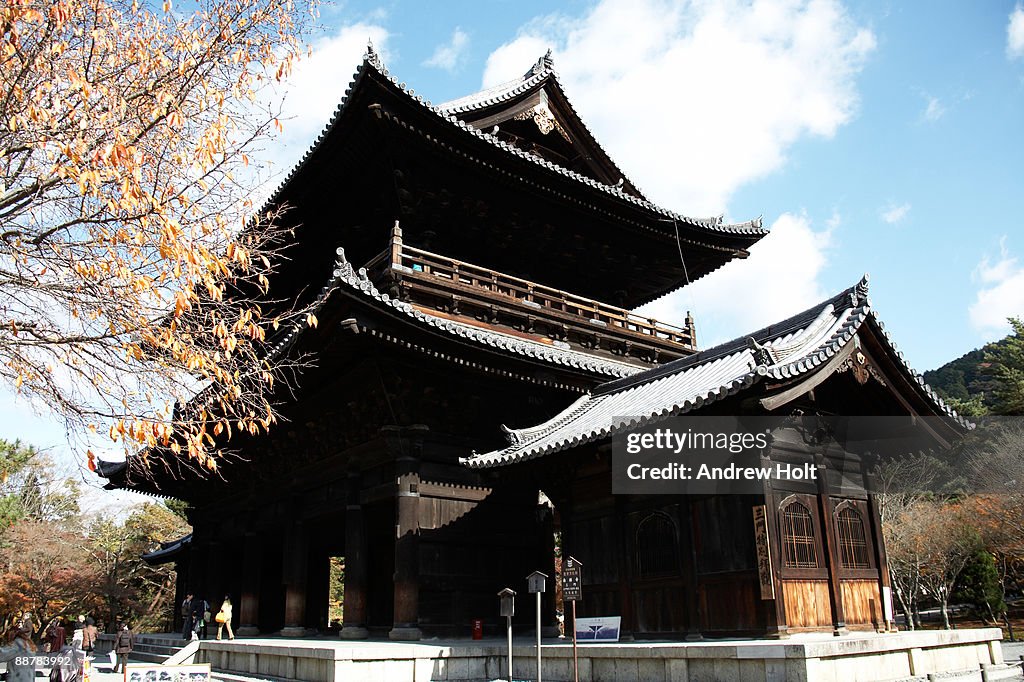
x=730, y=603
x=660, y=607
x=807, y=603
x=862, y=603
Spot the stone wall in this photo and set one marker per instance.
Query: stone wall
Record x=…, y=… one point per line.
x=811, y=658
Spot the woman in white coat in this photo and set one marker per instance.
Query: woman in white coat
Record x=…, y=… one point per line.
x=19, y=656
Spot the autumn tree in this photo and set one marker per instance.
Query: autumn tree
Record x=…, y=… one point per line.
x=43, y=570
x=134, y=270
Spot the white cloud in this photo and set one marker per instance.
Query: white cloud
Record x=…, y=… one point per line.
x=697, y=99
x=310, y=96
x=448, y=56
x=780, y=278
x=934, y=110
x=895, y=214
x=1015, y=33
x=1001, y=292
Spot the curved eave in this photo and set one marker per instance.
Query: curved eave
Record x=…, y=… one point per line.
x=169, y=551
x=358, y=285
x=773, y=353
x=749, y=232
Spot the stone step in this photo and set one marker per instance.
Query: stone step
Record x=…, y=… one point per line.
x=232, y=677
x=158, y=648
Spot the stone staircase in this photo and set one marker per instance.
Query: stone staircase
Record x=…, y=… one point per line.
x=157, y=647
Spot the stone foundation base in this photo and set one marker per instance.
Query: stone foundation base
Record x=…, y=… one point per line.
x=820, y=657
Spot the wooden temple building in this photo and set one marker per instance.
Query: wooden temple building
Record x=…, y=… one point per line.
x=473, y=264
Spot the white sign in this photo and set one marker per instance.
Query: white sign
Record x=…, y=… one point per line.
x=887, y=603
x=196, y=672
x=603, y=629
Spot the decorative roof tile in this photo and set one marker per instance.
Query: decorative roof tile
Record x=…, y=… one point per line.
x=785, y=350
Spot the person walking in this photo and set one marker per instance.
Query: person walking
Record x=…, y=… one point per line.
x=18, y=655
x=223, y=617
x=55, y=635
x=89, y=636
x=76, y=638
x=123, y=645
x=186, y=616
x=200, y=614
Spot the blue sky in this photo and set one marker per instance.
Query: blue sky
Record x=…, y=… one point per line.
x=872, y=137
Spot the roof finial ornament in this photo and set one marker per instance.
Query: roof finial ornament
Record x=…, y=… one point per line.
x=762, y=354
x=860, y=291
x=371, y=54
x=545, y=64
x=511, y=435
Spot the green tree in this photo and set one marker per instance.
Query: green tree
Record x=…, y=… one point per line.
x=128, y=584
x=32, y=487
x=979, y=585
x=1008, y=369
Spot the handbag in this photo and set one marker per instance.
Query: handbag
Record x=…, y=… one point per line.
x=221, y=618
x=206, y=616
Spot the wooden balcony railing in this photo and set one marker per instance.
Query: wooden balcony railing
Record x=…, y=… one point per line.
x=535, y=299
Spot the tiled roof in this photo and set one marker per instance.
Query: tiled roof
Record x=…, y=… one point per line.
x=540, y=73
x=357, y=283
x=751, y=229
x=556, y=353
x=785, y=350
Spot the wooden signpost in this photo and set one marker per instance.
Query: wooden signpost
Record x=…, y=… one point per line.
x=508, y=609
x=764, y=555
x=572, y=591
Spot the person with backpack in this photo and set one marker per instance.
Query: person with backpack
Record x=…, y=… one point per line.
x=124, y=642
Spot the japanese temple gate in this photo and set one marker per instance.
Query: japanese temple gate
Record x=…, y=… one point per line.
x=473, y=264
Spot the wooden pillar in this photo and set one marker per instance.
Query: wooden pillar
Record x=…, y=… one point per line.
x=249, y=608
x=196, y=563
x=356, y=569
x=396, y=245
x=213, y=592
x=625, y=569
x=835, y=587
x=407, y=443
x=296, y=560
x=689, y=558
x=180, y=591
x=882, y=562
